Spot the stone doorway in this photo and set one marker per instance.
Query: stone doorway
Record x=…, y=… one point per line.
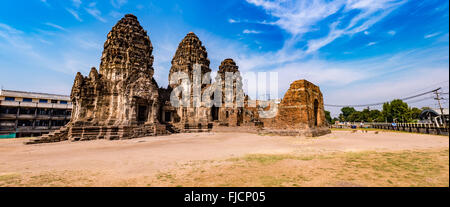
x=316, y=111
x=214, y=113
x=142, y=114
x=167, y=116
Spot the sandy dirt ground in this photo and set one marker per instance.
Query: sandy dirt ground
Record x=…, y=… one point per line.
x=146, y=161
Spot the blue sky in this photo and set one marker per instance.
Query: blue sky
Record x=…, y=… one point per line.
x=357, y=51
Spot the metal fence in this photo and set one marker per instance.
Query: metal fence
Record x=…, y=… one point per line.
x=424, y=128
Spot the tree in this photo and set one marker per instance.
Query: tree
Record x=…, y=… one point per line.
x=376, y=116
x=346, y=112
x=334, y=120
x=328, y=117
x=415, y=112
x=397, y=110
x=386, y=112
x=355, y=117
x=365, y=115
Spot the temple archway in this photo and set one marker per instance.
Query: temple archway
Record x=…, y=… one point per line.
x=316, y=112
x=214, y=113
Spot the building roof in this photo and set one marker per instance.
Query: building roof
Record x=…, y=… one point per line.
x=432, y=112
x=438, y=111
x=25, y=94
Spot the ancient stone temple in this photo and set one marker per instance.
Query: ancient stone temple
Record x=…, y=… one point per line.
x=122, y=100
x=190, y=52
x=230, y=113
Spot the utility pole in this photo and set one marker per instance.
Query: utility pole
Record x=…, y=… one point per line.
x=439, y=100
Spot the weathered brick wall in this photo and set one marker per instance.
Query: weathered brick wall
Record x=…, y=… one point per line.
x=301, y=112
x=301, y=107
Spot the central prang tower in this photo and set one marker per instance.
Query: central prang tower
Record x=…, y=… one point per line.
x=190, y=51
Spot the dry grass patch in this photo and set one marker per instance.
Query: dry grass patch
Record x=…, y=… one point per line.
x=368, y=168
x=48, y=179
x=404, y=168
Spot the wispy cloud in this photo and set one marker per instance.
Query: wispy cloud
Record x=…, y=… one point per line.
x=299, y=17
x=93, y=11
x=76, y=3
x=118, y=3
x=74, y=14
x=68, y=61
x=115, y=14
x=431, y=35
x=392, y=32
x=45, y=2
x=371, y=43
x=55, y=26
x=232, y=21
x=12, y=37
x=246, y=31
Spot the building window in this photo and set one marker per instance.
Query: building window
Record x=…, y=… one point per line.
x=24, y=123
x=10, y=99
x=63, y=102
x=54, y=101
x=27, y=100
x=43, y=101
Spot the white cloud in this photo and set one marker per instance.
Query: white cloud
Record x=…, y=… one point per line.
x=299, y=17
x=63, y=60
x=76, y=3
x=371, y=43
x=115, y=14
x=74, y=14
x=93, y=11
x=45, y=2
x=390, y=88
x=118, y=3
x=366, y=33
x=232, y=21
x=246, y=31
x=392, y=32
x=431, y=35
x=55, y=26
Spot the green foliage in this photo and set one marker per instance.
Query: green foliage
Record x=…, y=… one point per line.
x=400, y=111
x=415, y=112
x=328, y=117
x=346, y=112
x=396, y=110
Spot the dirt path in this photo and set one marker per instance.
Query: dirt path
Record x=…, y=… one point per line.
x=108, y=161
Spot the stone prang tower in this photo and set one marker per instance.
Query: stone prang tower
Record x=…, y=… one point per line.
x=190, y=51
x=121, y=100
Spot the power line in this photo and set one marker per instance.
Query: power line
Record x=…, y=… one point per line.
x=429, y=86
x=420, y=100
x=381, y=103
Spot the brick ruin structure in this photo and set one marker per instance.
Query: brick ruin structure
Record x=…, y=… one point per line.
x=122, y=100
x=300, y=112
